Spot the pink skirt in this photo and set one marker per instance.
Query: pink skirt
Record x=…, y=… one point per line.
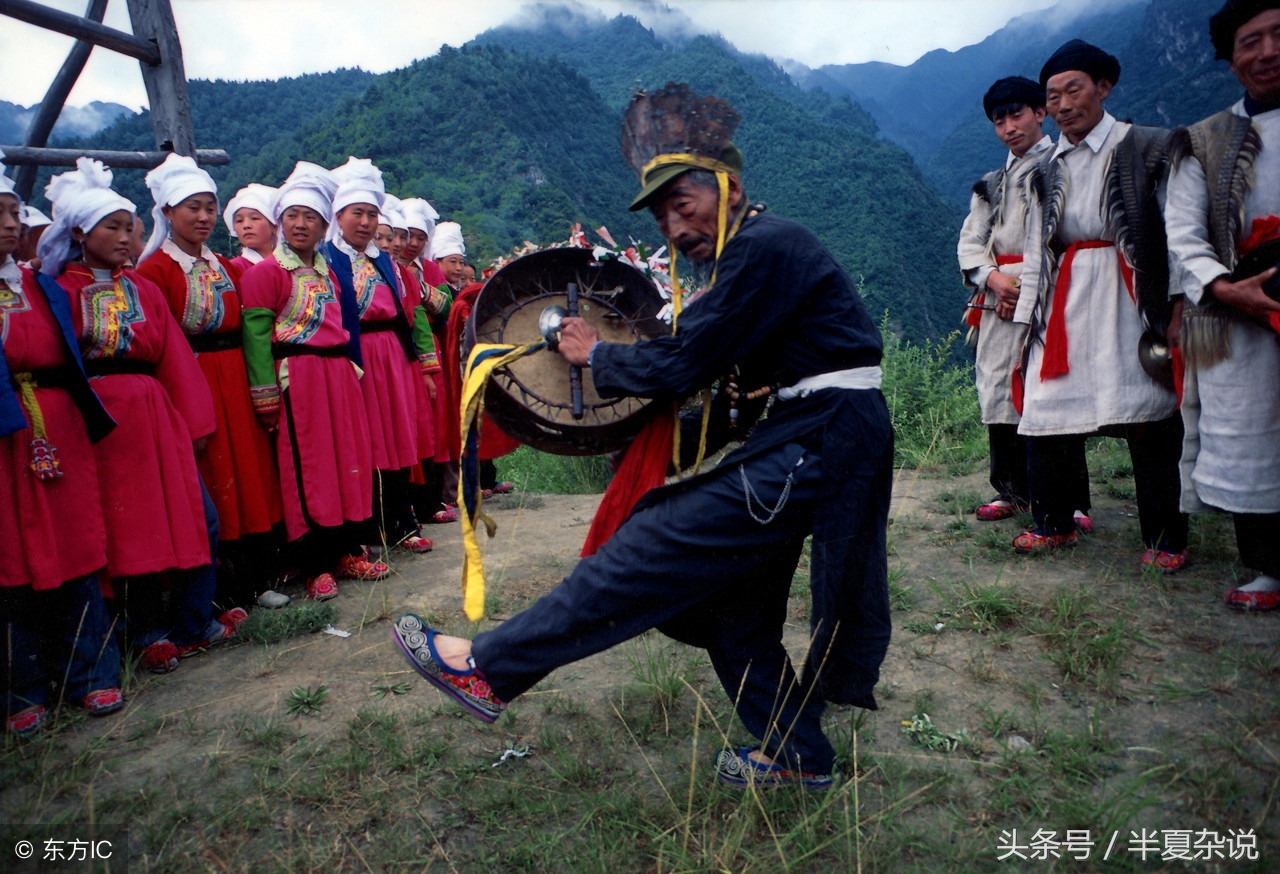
x=322, y=446
x=390, y=400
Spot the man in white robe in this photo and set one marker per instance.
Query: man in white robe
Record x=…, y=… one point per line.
x=1223, y=221
x=1100, y=272
x=990, y=255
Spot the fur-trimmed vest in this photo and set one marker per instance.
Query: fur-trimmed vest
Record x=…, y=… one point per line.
x=1226, y=145
x=1132, y=216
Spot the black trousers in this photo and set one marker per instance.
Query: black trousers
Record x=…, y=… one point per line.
x=1008, y=463
x=696, y=562
x=1258, y=539
x=1054, y=475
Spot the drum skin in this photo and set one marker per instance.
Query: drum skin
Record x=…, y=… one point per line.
x=530, y=398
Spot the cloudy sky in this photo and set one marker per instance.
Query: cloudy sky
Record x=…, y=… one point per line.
x=267, y=39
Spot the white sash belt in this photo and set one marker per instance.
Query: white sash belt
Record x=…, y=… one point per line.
x=853, y=378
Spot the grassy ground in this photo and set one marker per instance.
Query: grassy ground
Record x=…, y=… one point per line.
x=1069, y=694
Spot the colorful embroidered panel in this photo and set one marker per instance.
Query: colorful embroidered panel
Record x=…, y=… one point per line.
x=109, y=311
x=205, y=307
x=304, y=313
x=12, y=300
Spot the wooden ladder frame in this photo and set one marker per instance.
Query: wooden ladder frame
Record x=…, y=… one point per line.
x=154, y=42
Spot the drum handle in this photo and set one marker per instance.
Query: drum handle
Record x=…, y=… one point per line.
x=575, y=372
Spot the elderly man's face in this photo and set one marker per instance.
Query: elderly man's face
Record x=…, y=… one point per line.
x=1074, y=100
x=688, y=214
x=1255, y=57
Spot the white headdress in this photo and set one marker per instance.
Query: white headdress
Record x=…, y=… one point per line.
x=447, y=240
x=178, y=178
x=393, y=213
x=309, y=185
x=420, y=215
x=81, y=198
x=252, y=196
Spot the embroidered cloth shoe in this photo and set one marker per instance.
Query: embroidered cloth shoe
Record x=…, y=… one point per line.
x=468, y=688
x=416, y=543
x=1165, y=562
x=160, y=657
x=1239, y=599
x=219, y=631
x=27, y=721
x=1084, y=524
x=103, y=701
x=322, y=587
x=503, y=488
x=353, y=567
x=1033, y=541
x=738, y=768
x=996, y=510
x=444, y=516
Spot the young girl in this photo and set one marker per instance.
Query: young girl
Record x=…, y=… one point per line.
x=390, y=359
x=301, y=343
x=157, y=516
x=237, y=465
x=53, y=619
x=248, y=219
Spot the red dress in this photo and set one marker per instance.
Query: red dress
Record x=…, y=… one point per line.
x=151, y=501
x=322, y=447
x=51, y=530
x=238, y=466
x=493, y=442
x=429, y=365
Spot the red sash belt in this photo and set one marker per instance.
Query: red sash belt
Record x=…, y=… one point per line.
x=1055, y=335
x=973, y=318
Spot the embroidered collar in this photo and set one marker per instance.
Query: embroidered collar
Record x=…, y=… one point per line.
x=371, y=249
x=289, y=260
x=185, y=261
x=1094, y=140
x=92, y=272
x=1043, y=143
x=10, y=272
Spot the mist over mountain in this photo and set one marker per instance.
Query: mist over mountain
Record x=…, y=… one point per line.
x=75, y=121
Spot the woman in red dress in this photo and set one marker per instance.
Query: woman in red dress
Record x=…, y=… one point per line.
x=248, y=218
x=53, y=619
x=301, y=346
x=237, y=466
x=158, y=516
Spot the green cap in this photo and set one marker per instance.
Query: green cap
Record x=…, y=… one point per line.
x=659, y=176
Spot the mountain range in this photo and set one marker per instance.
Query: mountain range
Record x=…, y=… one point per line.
x=515, y=134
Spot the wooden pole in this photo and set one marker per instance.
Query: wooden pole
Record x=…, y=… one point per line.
x=24, y=156
x=56, y=98
x=90, y=31
x=166, y=82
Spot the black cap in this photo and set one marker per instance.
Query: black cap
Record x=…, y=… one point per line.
x=1012, y=91
x=1080, y=55
x=1230, y=18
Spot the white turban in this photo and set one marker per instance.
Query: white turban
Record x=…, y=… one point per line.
x=392, y=213
x=6, y=184
x=81, y=198
x=252, y=196
x=178, y=178
x=419, y=215
x=358, y=182
x=447, y=241
x=309, y=185
x=34, y=218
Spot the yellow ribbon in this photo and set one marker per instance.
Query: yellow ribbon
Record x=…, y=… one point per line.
x=473, y=383
x=27, y=389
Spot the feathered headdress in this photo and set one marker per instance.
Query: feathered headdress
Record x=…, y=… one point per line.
x=674, y=130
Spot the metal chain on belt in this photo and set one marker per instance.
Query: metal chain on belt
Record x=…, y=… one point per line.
x=750, y=494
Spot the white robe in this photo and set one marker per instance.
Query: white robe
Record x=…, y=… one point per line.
x=1106, y=384
x=999, y=342
x=1231, y=453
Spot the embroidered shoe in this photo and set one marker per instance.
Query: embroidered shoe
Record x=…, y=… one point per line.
x=738, y=768
x=1239, y=599
x=416, y=543
x=160, y=657
x=468, y=688
x=219, y=631
x=1084, y=524
x=503, y=488
x=1165, y=562
x=443, y=516
x=322, y=587
x=100, y=702
x=353, y=567
x=996, y=510
x=28, y=721
x=1033, y=541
